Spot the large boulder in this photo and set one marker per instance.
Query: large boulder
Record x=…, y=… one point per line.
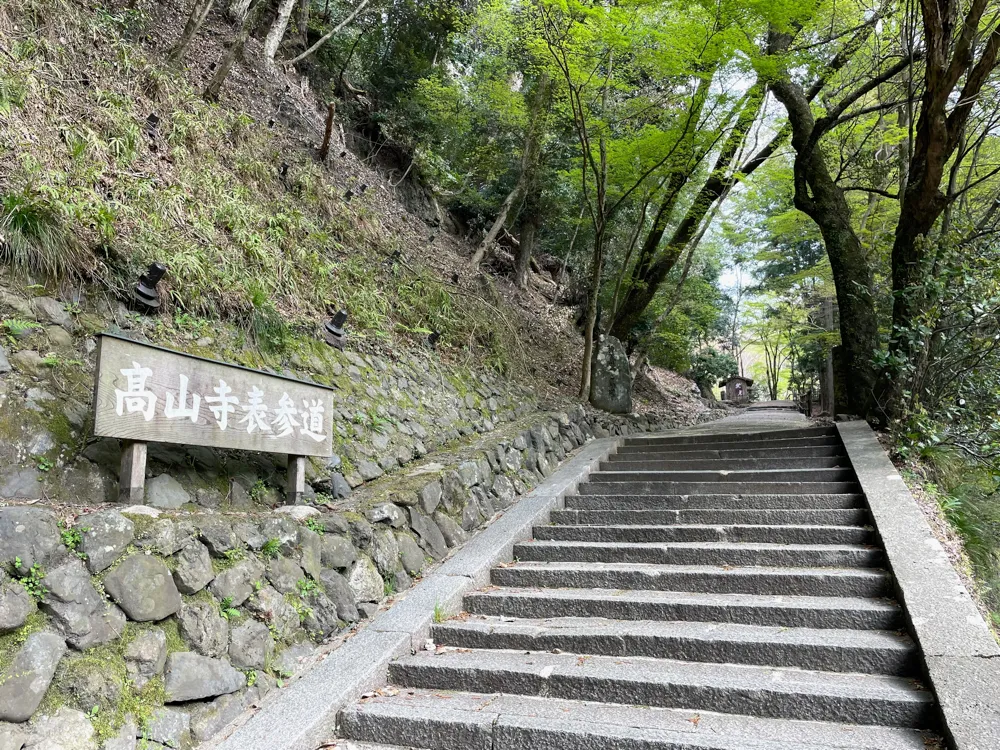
x=194, y=570
x=78, y=611
x=30, y=534
x=106, y=534
x=238, y=582
x=166, y=492
x=64, y=729
x=144, y=588
x=611, y=377
x=340, y=593
x=169, y=727
x=337, y=552
x=428, y=533
x=204, y=627
x=145, y=656
x=310, y=551
x=272, y=608
x=251, y=645
x=385, y=552
x=15, y=605
x=365, y=581
x=284, y=574
x=322, y=617
x=218, y=535
x=191, y=677
x=410, y=554
x=24, y=682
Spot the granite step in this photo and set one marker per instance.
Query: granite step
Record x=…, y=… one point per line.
x=866, y=651
x=767, y=692
x=640, y=453
x=742, y=437
x=778, y=610
x=755, y=533
x=640, y=446
x=748, y=476
x=626, y=463
x=721, y=486
x=825, y=517
x=703, y=553
x=610, y=497
x=706, y=578
x=443, y=720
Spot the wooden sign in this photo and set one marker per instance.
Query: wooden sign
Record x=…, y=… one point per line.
x=146, y=393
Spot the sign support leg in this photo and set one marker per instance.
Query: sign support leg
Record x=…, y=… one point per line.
x=132, y=480
x=296, y=488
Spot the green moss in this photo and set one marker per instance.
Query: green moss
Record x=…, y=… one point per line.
x=108, y=661
x=220, y=564
x=11, y=643
x=141, y=523
x=172, y=630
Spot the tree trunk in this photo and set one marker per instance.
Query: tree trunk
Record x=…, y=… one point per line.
x=234, y=51
x=277, y=32
x=324, y=149
x=591, y=319
x=530, y=159
x=198, y=15
x=530, y=222
x=301, y=40
x=820, y=198
x=940, y=125
x=238, y=10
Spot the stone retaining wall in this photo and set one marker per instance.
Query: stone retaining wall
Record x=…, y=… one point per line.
x=166, y=624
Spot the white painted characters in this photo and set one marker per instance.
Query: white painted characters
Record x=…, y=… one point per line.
x=257, y=416
x=135, y=397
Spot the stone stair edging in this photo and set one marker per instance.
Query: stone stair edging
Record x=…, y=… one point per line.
x=961, y=657
x=304, y=715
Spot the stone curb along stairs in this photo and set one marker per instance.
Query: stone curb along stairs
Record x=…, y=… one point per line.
x=724, y=590
x=304, y=715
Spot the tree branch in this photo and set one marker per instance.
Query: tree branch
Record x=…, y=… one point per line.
x=326, y=37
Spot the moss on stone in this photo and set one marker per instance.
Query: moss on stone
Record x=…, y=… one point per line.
x=141, y=523
x=11, y=643
x=171, y=629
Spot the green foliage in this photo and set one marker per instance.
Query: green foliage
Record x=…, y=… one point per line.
x=31, y=580
x=271, y=549
x=17, y=328
x=35, y=236
x=227, y=610
x=709, y=365
x=969, y=498
x=258, y=490
x=306, y=587
x=72, y=538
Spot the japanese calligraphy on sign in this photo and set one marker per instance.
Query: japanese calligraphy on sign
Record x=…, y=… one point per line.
x=147, y=393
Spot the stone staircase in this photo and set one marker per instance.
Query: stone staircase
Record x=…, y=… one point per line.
x=719, y=590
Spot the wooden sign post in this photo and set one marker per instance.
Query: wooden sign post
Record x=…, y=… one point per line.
x=146, y=393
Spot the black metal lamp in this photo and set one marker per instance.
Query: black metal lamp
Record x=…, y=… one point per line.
x=145, y=291
x=334, y=330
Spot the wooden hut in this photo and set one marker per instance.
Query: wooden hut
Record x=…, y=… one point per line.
x=737, y=389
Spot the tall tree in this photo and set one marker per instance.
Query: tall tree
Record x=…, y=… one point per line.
x=959, y=60
x=819, y=196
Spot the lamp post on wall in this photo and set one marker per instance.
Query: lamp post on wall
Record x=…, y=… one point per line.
x=145, y=293
x=334, y=332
